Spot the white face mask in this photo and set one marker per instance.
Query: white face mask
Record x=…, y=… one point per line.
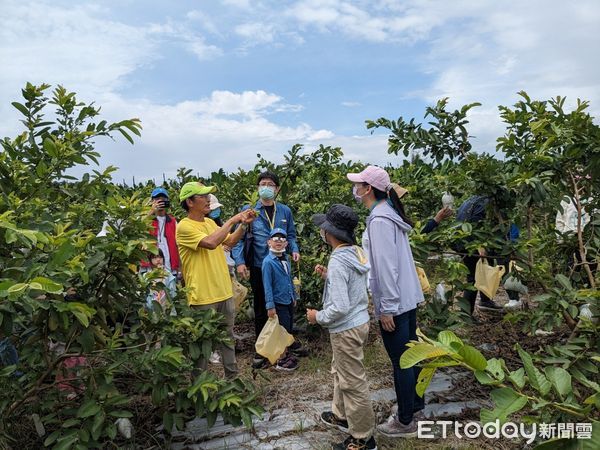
x=276, y=252
x=323, y=235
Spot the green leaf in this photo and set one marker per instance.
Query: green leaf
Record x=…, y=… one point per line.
x=420, y=352
x=88, y=408
x=87, y=340
x=560, y=379
x=494, y=367
x=22, y=109
x=447, y=337
x=506, y=402
x=211, y=418
x=52, y=438
x=168, y=421
x=66, y=442
x=484, y=378
x=564, y=282
x=70, y=422
x=536, y=378
x=50, y=147
x=97, y=425
x=473, y=357
x=517, y=378
x=423, y=380
x=47, y=285
x=17, y=288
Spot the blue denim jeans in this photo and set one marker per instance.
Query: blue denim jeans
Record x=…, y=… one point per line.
x=405, y=380
x=285, y=314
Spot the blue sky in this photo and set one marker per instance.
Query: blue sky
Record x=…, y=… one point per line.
x=215, y=82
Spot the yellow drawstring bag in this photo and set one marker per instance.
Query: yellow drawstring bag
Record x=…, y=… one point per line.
x=425, y=287
x=273, y=340
x=487, y=278
x=239, y=292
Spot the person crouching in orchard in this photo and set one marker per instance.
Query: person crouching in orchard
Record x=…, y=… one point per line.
x=159, y=275
x=344, y=313
x=204, y=267
x=280, y=295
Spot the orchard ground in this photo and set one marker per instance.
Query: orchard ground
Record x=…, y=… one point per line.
x=311, y=384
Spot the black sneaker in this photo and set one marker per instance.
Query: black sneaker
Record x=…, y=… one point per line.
x=489, y=305
x=287, y=364
x=297, y=350
x=356, y=444
x=259, y=362
x=329, y=418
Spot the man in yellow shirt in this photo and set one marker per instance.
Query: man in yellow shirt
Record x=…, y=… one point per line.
x=199, y=240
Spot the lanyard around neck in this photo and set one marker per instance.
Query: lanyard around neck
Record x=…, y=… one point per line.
x=271, y=220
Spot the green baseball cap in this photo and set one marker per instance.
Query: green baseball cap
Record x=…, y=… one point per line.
x=195, y=188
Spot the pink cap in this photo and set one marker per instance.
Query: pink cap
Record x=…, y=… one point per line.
x=373, y=175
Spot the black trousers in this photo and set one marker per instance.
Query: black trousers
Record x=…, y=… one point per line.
x=258, y=291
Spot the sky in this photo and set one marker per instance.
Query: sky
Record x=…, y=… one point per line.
x=215, y=82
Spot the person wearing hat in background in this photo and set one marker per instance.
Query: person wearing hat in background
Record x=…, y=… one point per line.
x=394, y=286
x=164, y=227
x=345, y=315
x=280, y=295
x=249, y=258
x=204, y=267
x=215, y=215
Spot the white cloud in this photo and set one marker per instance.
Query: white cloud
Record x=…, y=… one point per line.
x=256, y=33
x=467, y=50
x=242, y=4
x=540, y=47
x=225, y=130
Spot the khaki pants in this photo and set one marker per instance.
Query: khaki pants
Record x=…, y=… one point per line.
x=351, y=399
x=227, y=308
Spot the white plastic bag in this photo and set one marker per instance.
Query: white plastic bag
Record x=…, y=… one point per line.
x=440, y=293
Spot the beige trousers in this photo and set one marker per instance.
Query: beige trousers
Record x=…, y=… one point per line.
x=351, y=398
x=227, y=308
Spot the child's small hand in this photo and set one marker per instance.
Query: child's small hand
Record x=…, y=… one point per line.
x=321, y=271
x=311, y=315
x=271, y=312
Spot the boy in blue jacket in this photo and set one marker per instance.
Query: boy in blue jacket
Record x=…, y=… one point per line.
x=280, y=295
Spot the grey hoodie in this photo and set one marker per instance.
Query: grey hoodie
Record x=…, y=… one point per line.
x=345, y=298
x=393, y=278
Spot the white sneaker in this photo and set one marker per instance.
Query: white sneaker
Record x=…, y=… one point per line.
x=215, y=358
x=514, y=305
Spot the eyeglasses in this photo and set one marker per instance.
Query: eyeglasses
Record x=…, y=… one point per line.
x=278, y=239
x=268, y=185
x=203, y=196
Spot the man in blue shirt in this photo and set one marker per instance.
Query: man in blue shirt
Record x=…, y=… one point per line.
x=252, y=249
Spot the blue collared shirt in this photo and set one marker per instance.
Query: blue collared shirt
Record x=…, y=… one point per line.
x=279, y=287
x=261, y=229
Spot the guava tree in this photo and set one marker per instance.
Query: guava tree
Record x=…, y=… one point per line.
x=71, y=303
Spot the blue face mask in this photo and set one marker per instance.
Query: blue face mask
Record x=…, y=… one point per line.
x=215, y=213
x=266, y=192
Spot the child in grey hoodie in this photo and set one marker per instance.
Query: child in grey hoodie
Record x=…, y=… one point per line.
x=344, y=313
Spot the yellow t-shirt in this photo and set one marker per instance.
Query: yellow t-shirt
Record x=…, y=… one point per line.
x=204, y=271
